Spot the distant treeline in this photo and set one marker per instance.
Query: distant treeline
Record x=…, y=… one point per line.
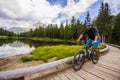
x=6, y=33
x=69, y=31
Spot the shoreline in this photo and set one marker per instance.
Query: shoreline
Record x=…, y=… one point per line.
x=14, y=62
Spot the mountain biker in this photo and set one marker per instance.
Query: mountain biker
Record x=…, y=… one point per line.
x=94, y=37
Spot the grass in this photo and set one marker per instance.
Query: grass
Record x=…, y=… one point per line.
x=3, y=37
x=45, y=39
x=52, y=40
x=47, y=52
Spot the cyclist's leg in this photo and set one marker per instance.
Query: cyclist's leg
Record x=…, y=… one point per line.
x=95, y=47
x=89, y=42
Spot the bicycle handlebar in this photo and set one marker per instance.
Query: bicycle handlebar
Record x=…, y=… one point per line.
x=84, y=43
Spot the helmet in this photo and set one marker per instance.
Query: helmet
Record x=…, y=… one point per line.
x=89, y=24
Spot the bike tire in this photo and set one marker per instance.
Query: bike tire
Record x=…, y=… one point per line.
x=94, y=60
x=78, y=61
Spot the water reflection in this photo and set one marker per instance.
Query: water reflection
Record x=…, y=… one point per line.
x=14, y=48
x=10, y=46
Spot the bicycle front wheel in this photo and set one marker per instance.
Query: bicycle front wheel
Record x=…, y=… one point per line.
x=78, y=61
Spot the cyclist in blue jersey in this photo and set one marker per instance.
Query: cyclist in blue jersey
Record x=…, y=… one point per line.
x=94, y=37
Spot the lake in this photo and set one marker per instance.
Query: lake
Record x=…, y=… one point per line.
x=13, y=48
x=10, y=47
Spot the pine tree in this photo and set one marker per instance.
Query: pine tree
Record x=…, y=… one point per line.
x=78, y=28
x=67, y=31
x=116, y=30
x=87, y=19
x=73, y=27
x=61, y=31
x=103, y=21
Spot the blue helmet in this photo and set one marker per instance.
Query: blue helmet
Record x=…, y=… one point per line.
x=89, y=24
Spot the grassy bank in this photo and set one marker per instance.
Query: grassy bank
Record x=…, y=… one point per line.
x=48, y=52
x=52, y=40
x=2, y=37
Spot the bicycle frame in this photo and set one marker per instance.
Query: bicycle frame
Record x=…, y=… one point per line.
x=79, y=58
x=87, y=48
x=87, y=52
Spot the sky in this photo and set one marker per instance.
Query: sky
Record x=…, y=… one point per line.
x=24, y=13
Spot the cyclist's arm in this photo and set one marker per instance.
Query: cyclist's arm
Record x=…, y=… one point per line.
x=95, y=40
x=96, y=36
x=82, y=35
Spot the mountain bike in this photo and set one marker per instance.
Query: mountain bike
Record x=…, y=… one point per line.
x=86, y=53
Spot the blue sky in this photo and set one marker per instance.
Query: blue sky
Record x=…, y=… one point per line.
x=25, y=13
x=93, y=9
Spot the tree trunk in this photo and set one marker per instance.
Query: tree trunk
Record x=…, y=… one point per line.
x=103, y=38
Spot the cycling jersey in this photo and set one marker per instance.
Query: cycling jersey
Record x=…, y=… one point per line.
x=91, y=33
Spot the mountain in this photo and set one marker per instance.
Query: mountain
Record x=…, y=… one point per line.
x=22, y=29
x=38, y=24
x=18, y=29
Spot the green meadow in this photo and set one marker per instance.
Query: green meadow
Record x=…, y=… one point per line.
x=60, y=51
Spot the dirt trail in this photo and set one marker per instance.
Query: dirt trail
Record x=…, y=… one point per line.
x=14, y=62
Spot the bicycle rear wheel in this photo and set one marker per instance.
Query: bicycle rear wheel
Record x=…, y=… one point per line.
x=95, y=58
x=78, y=61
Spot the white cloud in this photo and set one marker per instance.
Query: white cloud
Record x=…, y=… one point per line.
x=13, y=23
x=79, y=7
x=114, y=5
x=31, y=11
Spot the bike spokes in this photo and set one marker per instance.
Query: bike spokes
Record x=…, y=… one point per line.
x=95, y=58
x=78, y=61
